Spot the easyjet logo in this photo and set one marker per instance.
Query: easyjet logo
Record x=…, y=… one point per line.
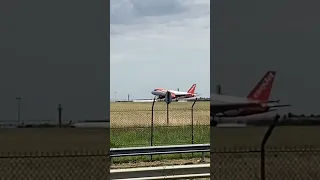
x=265, y=83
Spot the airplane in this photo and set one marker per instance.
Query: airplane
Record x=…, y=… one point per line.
x=160, y=93
x=256, y=102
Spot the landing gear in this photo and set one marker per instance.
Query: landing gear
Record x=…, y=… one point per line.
x=213, y=120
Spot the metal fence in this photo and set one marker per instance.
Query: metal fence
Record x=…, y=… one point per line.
x=136, y=127
x=61, y=165
x=282, y=153
x=274, y=164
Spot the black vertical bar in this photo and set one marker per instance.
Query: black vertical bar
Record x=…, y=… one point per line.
x=152, y=124
x=218, y=89
x=263, y=143
x=262, y=156
x=192, y=127
x=192, y=136
x=60, y=114
x=18, y=110
x=19, y=116
x=167, y=113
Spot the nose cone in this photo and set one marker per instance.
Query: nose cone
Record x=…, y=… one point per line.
x=154, y=92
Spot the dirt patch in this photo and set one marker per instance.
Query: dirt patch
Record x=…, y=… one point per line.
x=160, y=163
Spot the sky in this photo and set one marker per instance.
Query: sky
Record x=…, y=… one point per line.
x=50, y=56
x=159, y=44
x=252, y=37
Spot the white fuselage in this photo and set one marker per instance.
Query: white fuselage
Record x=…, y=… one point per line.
x=163, y=93
x=178, y=92
x=225, y=99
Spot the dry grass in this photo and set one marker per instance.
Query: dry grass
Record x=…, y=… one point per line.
x=278, y=166
x=297, y=160
x=158, y=105
x=130, y=114
x=56, y=147
x=54, y=168
x=53, y=139
x=155, y=163
x=285, y=136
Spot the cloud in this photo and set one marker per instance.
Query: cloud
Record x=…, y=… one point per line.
x=152, y=36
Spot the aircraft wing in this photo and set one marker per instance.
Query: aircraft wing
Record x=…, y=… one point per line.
x=281, y=105
x=220, y=108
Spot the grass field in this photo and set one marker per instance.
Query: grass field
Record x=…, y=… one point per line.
x=130, y=124
x=158, y=105
x=246, y=165
x=296, y=157
x=230, y=139
x=53, y=139
x=131, y=137
x=162, y=136
x=52, y=148
x=278, y=166
x=131, y=114
x=284, y=136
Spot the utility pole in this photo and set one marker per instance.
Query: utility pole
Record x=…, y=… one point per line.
x=218, y=89
x=18, y=109
x=128, y=97
x=60, y=114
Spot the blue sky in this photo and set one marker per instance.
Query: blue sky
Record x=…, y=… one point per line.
x=159, y=43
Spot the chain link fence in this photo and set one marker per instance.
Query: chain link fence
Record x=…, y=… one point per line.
x=136, y=127
x=55, y=166
x=275, y=153
x=280, y=163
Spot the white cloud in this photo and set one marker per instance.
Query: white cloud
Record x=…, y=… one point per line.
x=153, y=41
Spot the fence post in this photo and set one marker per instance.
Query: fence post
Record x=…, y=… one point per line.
x=60, y=114
x=263, y=143
x=168, y=114
x=152, y=123
x=192, y=130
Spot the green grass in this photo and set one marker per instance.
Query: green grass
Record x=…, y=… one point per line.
x=130, y=127
x=133, y=137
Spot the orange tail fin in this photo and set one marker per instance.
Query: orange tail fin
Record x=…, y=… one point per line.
x=192, y=89
x=262, y=90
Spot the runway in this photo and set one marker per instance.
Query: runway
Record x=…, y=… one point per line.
x=92, y=124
